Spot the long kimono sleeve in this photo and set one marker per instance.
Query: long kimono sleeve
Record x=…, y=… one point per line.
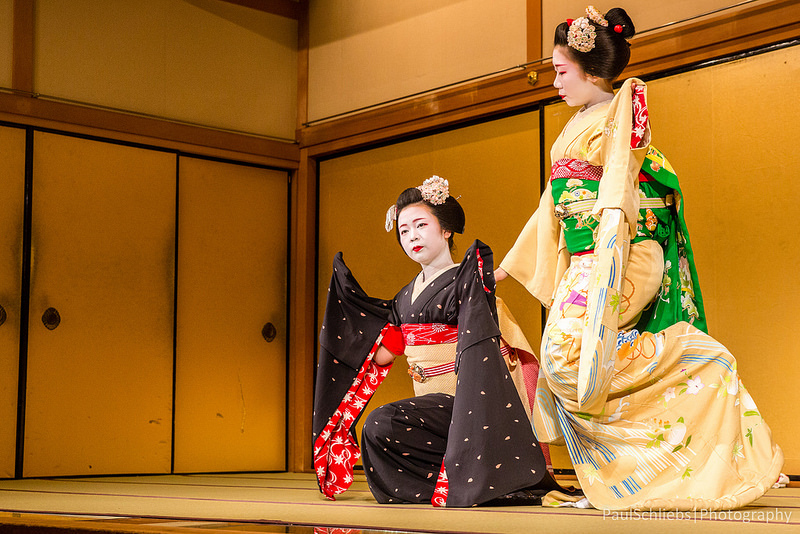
x=626, y=124
x=491, y=450
x=352, y=330
x=539, y=256
x=625, y=140
x=599, y=339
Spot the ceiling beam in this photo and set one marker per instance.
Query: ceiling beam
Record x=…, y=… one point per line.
x=283, y=8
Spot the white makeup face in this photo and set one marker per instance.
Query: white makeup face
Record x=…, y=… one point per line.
x=574, y=86
x=421, y=236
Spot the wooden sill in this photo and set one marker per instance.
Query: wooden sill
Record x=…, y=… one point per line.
x=23, y=109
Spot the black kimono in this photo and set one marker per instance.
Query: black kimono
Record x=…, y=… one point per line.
x=462, y=450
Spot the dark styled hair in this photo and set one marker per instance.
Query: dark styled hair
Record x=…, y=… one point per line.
x=611, y=51
x=450, y=214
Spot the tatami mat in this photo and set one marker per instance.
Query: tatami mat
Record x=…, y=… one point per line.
x=290, y=502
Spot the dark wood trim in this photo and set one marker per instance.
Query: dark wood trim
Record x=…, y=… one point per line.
x=283, y=8
x=533, y=18
x=128, y=127
x=302, y=321
x=25, y=303
x=303, y=275
x=22, y=48
x=303, y=40
x=671, y=48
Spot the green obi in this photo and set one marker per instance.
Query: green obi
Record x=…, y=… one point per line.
x=660, y=218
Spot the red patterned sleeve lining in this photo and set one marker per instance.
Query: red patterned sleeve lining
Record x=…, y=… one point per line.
x=335, y=450
x=640, y=116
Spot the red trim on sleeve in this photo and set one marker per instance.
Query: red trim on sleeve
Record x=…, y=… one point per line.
x=640, y=116
x=393, y=340
x=480, y=270
x=335, y=449
x=442, y=487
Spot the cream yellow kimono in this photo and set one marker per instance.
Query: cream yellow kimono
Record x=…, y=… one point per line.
x=651, y=420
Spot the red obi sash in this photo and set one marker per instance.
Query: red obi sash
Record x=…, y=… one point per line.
x=429, y=333
x=576, y=168
x=583, y=170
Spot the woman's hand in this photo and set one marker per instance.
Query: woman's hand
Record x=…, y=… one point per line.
x=500, y=274
x=383, y=356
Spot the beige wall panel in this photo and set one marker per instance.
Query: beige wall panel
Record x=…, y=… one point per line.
x=99, y=390
x=12, y=186
x=729, y=138
x=207, y=62
x=6, y=41
x=365, y=53
x=645, y=14
x=230, y=400
x=493, y=167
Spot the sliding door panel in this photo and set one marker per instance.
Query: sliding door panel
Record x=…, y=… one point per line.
x=100, y=356
x=230, y=406
x=12, y=186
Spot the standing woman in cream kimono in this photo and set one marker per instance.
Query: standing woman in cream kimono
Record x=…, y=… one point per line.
x=650, y=407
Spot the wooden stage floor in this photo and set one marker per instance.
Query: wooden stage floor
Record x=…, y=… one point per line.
x=291, y=503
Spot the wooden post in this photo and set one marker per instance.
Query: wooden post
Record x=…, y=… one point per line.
x=302, y=291
x=534, y=26
x=22, y=54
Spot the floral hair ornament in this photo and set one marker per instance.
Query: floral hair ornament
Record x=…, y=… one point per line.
x=595, y=16
x=435, y=190
x=581, y=33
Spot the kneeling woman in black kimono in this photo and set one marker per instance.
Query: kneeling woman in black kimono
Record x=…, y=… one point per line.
x=465, y=439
